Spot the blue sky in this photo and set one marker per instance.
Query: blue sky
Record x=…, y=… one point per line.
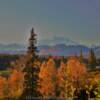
x=78, y=20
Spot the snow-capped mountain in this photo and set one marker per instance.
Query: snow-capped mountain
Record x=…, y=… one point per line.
x=57, y=46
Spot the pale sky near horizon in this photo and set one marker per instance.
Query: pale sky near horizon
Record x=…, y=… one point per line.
x=78, y=20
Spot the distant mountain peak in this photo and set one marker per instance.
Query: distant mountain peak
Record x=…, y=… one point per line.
x=59, y=49
x=57, y=40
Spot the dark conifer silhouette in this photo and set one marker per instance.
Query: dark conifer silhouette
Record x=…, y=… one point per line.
x=31, y=71
x=92, y=59
x=81, y=56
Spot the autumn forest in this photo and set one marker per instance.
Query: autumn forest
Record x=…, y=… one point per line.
x=35, y=77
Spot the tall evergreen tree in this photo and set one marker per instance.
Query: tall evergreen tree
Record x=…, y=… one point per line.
x=31, y=71
x=92, y=59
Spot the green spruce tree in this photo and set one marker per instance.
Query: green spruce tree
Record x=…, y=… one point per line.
x=31, y=71
x=92, y=59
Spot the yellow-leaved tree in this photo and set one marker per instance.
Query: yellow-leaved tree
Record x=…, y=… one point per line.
x=15, y=83
x=76, y=71
x=76, y=76
x=3, y=87
x=47, y=78
x=62, y=77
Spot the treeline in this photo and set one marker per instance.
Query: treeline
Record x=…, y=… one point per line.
x=32, y=77
x=6, y=59
x=69, y=80
x=91, y=61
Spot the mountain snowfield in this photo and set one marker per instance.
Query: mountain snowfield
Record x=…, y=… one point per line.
x=57, y=46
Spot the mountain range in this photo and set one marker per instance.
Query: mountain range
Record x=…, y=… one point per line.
x=56, y=46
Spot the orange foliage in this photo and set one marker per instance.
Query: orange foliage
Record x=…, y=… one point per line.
x=15, y=83
x=47, y=77
x=75, y=69
x=62, y=74
x=3, y=84
x=76, y=72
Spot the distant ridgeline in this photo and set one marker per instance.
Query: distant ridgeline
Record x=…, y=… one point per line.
x=57, y=51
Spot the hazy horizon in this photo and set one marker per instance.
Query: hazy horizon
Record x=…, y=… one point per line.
x=77, y=20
